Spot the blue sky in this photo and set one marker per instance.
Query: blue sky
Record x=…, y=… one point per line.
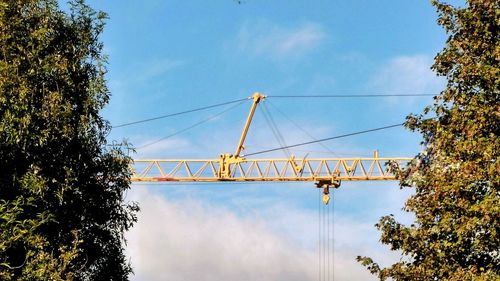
x=170, y=56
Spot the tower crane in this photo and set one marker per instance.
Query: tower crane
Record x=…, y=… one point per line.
x=326, y=173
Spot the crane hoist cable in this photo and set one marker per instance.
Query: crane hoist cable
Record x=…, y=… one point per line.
x=328, y=242
x=333, y=234
x=323, y=240
x=326, y=239
x=319, y=235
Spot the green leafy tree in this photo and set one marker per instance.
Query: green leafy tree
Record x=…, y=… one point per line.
x=62, y=210
x=456, y=178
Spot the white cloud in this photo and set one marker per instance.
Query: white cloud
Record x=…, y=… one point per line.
x=271, y=40
x=148, y=71
x=322, y=84
x=406, y=75
x=155, y=147
x=191, y=239
x=137, y=84
x=157, y=68
x=136, y=74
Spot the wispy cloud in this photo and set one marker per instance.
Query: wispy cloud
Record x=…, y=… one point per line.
x=148, y=70
x=144, y=80
x=190, y=239
x=158, y=68
x=277, y=42
x=406, y=75
x=138, y=75
x=154, y=147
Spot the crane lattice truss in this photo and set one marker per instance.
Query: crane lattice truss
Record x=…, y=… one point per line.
x=246, y=170
x=325, y=172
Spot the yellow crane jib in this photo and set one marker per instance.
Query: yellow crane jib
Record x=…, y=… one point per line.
x=325, y=172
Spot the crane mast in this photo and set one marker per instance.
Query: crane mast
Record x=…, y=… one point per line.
x=324, y=172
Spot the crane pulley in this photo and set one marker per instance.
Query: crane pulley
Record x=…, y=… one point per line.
x=325, y=172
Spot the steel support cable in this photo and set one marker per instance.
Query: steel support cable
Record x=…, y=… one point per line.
x=190, y=127
x=352, y=96
x=320, y=151
x=302, y=129
x=271, y=96
x=187, y=184
x=179, y=113
x=326, y=139
x=268, y=122
x=280, y=136
x=273, y=129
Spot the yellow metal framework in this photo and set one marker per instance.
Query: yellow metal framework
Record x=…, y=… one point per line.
x=325, y=172
x=245, y=170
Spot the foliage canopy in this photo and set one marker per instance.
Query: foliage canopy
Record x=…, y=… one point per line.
x=62, y=215
x=456, y=178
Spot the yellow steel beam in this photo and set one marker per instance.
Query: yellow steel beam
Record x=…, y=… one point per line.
x=320, y=170
x=257, y=97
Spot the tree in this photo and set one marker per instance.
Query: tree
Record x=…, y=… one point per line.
x=62, y=210
x=456, y=178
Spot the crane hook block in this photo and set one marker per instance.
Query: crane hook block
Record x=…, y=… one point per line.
x=326, y=199
x=326, y=194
